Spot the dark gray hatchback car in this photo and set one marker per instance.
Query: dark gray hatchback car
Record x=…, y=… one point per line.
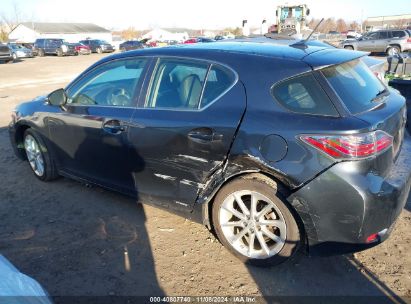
x=274, y=146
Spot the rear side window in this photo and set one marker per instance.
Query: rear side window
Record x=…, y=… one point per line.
x=303, y=94
x=384, y=35
x=177, y=84
x=355, y=84
x=398, y=34
x=187, y=84
x=219, y=80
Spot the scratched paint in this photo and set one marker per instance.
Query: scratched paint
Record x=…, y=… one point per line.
x=192, y=183
x=203, y=160
x=166, y=177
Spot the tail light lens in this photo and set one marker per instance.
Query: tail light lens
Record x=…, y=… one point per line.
x=354, y=146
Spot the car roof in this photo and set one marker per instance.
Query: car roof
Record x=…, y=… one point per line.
x=316, y=55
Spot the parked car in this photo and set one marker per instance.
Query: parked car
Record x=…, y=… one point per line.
x=5, y=54
x=98, y=46
x=191, y=40
x=334, y=33
x=389, y=41
x=305, y=148
x=51, y=46
x=82, y=49
x=353, y=34
x=18, y=51
x=131, y=45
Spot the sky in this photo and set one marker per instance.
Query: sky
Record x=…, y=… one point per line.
x=206, y=14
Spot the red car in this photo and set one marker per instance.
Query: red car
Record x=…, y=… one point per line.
x=82, y=49
x=191, y=40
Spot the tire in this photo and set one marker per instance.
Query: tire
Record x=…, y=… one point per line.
x=99, y=50
x=348, y=47
x=38, y=154
x=60, y=53
x=122, y=50
x=287, y=239
x=14, y=56
x=41, y=53
x=393, y=50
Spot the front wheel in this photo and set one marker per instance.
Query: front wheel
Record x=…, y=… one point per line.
x=99, y=50
x=252, y=221
x=39, y=157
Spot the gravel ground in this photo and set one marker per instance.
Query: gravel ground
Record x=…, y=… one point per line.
x=81, y=241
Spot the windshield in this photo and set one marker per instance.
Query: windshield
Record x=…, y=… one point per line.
x=102, y=42
x=355, y=84
x=291, y=12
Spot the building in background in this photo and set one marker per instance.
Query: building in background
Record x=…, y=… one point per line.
x=28, y=32
x=385, y=22
x=164, y=35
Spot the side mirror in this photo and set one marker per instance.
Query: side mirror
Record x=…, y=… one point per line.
x=57, y=97
x=308, y=12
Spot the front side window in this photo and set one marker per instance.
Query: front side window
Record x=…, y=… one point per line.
x=177, y=84
x=112, y=84
x=303, y=94
x=355, y=84
x=372, y=36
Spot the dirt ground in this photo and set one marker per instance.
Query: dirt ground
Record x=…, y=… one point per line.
x=76, y=240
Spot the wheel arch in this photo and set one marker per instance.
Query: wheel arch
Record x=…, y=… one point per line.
x=271, y=180
x=19, y=139
x=393, y=44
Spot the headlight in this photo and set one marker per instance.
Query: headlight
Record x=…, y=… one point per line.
x=64, y=48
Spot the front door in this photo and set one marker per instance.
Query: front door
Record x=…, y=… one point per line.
x=368, y=42
x=183, y=129
x=90, y=135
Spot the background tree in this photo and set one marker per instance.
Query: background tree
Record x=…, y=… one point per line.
x=130, y=33
x=341, y=26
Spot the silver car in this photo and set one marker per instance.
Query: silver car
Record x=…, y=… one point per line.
x=390, y=41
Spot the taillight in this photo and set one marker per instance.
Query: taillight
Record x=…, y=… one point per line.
x=409, y=40
x=351, y=146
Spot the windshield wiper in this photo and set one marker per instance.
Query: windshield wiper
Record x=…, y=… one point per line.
x=379, y=95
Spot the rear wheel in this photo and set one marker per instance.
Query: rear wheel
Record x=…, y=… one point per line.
x=99, y=50
x=59, y=53
x=349, y=47
x=123, y=49
x=393, y=50
x=41, y=53
x=252, y=221
x=39, y=157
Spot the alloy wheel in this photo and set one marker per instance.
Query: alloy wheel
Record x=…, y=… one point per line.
x=253, y=224
x=34, y=155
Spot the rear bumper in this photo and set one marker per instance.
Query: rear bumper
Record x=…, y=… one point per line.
x=346, y=204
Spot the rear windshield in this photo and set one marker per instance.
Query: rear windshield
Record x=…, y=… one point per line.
x=355, y=84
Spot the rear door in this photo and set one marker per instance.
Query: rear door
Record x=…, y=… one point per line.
x=183, y=128
x=383, y=41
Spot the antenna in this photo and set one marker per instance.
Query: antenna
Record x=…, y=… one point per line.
x=316, y=27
